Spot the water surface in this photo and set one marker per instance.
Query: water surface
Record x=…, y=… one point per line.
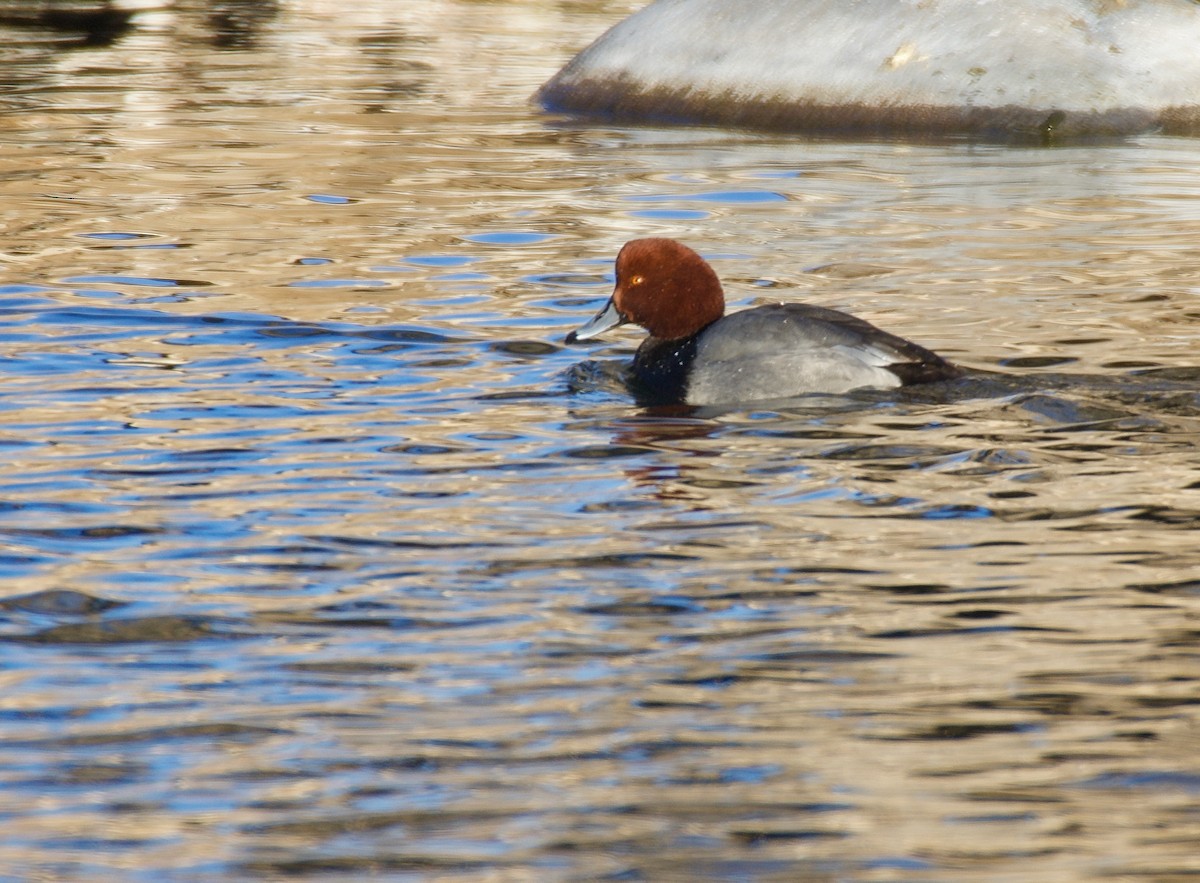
x=323, y=557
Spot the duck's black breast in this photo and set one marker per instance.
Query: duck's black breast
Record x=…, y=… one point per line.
x=661, y=369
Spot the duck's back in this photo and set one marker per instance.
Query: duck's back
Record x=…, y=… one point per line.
x=783, y=350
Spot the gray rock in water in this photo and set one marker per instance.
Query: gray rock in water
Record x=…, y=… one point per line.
x=1039, y=69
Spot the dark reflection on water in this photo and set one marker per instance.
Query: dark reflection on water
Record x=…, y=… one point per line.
x=321, y=556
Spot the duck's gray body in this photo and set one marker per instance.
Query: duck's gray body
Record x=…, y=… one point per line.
x=783, y=350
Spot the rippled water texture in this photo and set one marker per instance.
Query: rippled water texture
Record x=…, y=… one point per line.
x=323, y=557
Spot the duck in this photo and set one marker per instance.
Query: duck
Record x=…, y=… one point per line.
x=695, y=354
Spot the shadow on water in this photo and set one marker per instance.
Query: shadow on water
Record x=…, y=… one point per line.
x=230, y=24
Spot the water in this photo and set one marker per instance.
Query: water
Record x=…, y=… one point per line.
x=323, y=557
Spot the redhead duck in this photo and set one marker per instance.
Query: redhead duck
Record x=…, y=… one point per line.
x=696, y=355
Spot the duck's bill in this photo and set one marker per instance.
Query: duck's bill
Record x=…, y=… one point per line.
x=609, y=317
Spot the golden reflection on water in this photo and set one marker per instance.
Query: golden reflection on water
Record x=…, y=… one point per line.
x=365, y=574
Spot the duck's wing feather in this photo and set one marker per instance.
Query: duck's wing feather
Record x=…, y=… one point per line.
x=798, y=348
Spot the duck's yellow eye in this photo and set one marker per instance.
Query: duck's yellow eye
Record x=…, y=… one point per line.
x=637, y=280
